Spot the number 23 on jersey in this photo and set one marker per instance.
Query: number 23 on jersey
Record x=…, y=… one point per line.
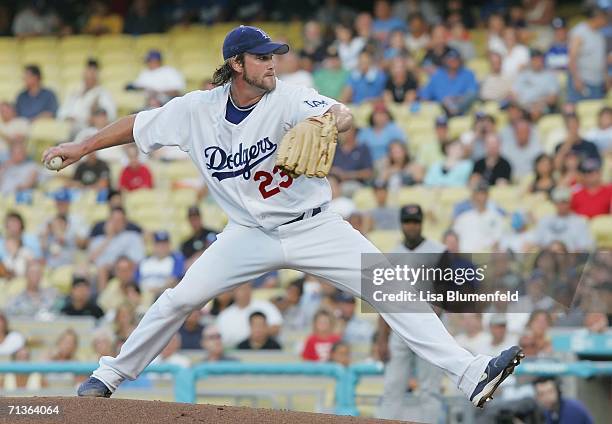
x=266, y=179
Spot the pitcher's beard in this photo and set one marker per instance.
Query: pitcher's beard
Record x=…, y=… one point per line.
x=257, y=83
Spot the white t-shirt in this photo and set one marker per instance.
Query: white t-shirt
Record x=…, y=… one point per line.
x=602, y=138
x=349, y=52
x=591, y=60
x=516, y=242
x=233, y=322
x=426, y=246
x=11, y=343
x=80, y=104
x=238, y=161
x=164, y=78
x=479, y=231
x=12, y=128
x=515, y=60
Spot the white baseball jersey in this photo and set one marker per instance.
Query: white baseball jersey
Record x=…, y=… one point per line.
x=238, y=161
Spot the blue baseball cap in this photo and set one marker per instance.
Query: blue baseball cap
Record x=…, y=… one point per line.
x=248, y=39
x=160, y=236
x=153, y=55
x=62, y=195
x=441, y=121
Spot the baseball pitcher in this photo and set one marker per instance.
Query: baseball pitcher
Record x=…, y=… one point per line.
x=264, y=148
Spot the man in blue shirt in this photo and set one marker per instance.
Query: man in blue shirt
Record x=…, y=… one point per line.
x=558, y=408
x=385, y=22
x=453, y=85
x=366, y=83
x=35, y=101
x=352, y=161
x=557, y=55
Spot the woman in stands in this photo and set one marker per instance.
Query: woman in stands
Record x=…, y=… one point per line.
x=544, y=180
x=398, y=169
x=380, y=133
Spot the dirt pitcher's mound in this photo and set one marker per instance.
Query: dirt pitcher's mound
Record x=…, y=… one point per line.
x=73, y=410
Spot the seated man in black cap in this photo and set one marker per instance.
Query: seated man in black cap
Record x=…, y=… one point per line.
x=201, y=237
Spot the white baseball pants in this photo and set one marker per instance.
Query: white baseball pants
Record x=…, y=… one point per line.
x=325, y=246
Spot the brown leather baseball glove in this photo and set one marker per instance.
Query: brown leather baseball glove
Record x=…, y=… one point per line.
x=309, y=147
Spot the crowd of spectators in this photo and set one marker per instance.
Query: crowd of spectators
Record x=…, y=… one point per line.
x=396, y=56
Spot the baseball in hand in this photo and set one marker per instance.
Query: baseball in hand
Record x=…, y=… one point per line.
x=55, y=163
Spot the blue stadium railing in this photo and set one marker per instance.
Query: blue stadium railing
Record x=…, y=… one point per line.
x=347, y=379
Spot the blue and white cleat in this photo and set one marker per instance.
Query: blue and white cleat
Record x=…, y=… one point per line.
x=94, y=388
x=497, y=370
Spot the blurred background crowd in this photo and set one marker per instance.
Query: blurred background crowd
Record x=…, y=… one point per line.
x=492, y=120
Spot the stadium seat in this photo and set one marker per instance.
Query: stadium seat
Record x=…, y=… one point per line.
x=96, y=213
x=385, y=240
x=126, y=57
x=129, y=101
x=42, y=201
x=361, y=114
x=285, y=276
x=46, y=132
x=116, y=76
x=548, y=123
x=180, y=170
x=151, y=218
x=601, y=228
x=542, y=208
x=45, y=333
x=414, y=194
x=417, y=123
x=8, y=55
x=429, y=109
x=480, y=67
x=213, y=216
x=186, y=42
x=587, y=111
x=450, y=196
x=479, y=38
x=183, y=198
x=507, y=196
x=14, y=287
x=267, y=293
x=39, y=57
x=435, y=226
x=9, y=89
x=145, y=198
x=197, y=71
x=60, y=278
x=364, y=198
x=114, y=42
x=81, y=42
x=39, y=44
x=457, y=125
x=72, y=72
x=8, y=43
x=427, y=149
x=146, y=42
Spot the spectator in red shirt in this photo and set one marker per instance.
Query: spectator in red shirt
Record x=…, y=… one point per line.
x=319, y=344
x=593, y=198
x=135, y=175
